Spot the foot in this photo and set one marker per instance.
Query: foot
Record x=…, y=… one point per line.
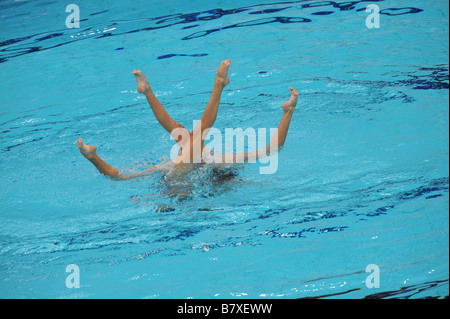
x=87, y=150
x=222, y=73
x=142, y=82
x=289, y=106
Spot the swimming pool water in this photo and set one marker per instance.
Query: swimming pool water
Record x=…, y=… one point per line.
x=363, y=177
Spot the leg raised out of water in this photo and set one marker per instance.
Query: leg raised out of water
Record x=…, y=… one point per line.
x=90, y=153
x=159, y=111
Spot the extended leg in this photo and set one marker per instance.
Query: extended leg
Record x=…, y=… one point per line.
x=158, y=110
x=288, y=108
x=89, y=152
x=277, y=140
x=195, y=145
x=210, y=114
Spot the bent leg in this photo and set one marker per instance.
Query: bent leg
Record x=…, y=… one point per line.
x=89, y=152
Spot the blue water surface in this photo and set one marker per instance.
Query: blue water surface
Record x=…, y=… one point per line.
x=363, y=178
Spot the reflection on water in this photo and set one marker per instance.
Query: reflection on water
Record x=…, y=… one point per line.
x=44, y=41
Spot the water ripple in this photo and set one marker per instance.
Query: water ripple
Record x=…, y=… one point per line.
x=45, y=41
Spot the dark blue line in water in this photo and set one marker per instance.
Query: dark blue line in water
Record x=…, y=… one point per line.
x=322, y=13
x=12, y=41
x=404, y=292
x=438, y=185
x=247, y=24
x=190, y=26
x=174, y=55
x=8, y=148
x=409, y=290
x=50, y=36
x=399, y=11
x=433, y=196
x=205, y=16
x=269, y=10
x=300, y=234
x=93, y=14
x=396, y=11
x=434, y=186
